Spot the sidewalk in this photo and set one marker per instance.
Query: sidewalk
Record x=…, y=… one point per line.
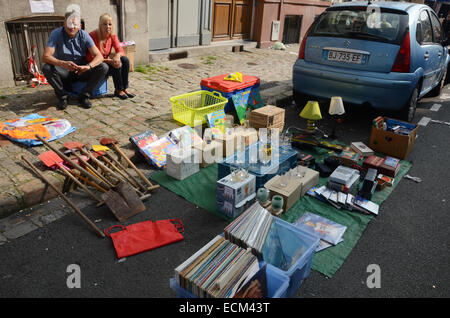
x=154, y=84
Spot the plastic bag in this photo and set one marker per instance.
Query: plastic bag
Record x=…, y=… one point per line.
x=24, y=129
x=145, y=236
x=235, y=77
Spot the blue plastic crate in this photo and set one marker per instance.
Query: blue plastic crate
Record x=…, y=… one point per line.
x=78, y=86
x=229, y=95
x=277, y=284
x=287, y=160
x=293, y=240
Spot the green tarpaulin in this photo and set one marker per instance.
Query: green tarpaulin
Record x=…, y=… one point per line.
x=200, y=189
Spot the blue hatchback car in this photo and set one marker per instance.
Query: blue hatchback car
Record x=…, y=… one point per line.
x=385, y=54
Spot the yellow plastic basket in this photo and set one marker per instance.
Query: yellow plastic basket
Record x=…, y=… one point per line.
x=191, y=108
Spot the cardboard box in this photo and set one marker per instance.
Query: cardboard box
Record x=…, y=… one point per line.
x=247, y=136
x=129, y=52
x=235, y=192
x=309, y=180
x=291, y=193
x=228, y=142
x=182, y=164
x=209, y=153
x=391, y=143
x=267, y=117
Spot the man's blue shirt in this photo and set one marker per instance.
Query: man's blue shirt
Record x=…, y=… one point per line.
x=70, y=49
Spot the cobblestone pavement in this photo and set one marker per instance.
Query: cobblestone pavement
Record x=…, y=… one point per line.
x=153, y=84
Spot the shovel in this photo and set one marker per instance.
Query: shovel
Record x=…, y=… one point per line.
x=73, y=147
x=132, y=181
x=104, y=150
x=123, y=201
x=81, y=147
x=85, y=218
x=113, y=142
x=51, y=159
x=72, y=163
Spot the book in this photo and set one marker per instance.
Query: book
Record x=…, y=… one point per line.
x=390, y=166
x=186, y=134
x=387, y=179
x=361, y=148
x=348, y=158
x=373, y=161
x=142, y=141
x=378, y=122
x=240, y=101
x=156, y=152
x=326, y=229
x=324, y=244
x=367, y=205
x=255, y=100
x=216, y=121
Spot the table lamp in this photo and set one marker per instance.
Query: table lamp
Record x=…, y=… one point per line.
x=336, y=108
x=311, y=112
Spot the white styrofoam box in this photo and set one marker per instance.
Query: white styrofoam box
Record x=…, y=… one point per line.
x=182, y=163
x=235, y=191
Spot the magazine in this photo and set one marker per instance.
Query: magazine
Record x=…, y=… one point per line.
x=324, y=244
x=326, y=229
x=156, y=151
x=216, y=121
x=367, y=205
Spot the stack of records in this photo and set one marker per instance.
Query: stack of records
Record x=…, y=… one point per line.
x=218, y=270
x=250, y=229
x=330, y=232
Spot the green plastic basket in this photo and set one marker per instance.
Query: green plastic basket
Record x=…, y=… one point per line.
x=191, y=108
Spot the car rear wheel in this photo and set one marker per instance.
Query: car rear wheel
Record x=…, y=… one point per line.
x=409, y=109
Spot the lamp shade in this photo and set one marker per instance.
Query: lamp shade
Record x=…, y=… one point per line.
x=311, y=111
x=336, y=106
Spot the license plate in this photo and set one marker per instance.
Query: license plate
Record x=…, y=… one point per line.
x=346, y=57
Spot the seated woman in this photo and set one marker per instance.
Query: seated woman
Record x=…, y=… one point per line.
x=119, y=66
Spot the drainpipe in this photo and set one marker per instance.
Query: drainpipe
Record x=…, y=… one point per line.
x=121, y=18
x=172, y=44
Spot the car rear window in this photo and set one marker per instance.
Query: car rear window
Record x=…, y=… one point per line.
x=360, y=23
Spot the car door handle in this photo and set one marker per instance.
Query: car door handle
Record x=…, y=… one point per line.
x=439, y=54
x=426, y=55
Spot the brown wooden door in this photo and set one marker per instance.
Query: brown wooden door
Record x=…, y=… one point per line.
x=231, y=19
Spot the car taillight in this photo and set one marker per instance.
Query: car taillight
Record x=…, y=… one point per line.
x=403, y=59
x=301, y=53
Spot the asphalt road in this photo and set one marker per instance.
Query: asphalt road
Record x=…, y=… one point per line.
x=408, y=240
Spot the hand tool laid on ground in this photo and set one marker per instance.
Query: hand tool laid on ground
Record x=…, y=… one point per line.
x=73, y=163
x=77, y=174
x=133, y=182
x=51, y=160
x=78, y=211
x=89, y=167
x=123, y=201
x=80, y=146
x=105, y=150
x=111, y=141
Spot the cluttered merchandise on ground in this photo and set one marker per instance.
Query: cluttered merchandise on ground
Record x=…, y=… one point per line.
x=294, y=201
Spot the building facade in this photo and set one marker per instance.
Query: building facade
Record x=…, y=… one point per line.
x=153, y=25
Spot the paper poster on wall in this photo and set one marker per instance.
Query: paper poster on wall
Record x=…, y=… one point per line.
x=42, y=6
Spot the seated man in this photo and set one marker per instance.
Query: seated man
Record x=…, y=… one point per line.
x=65, y=61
